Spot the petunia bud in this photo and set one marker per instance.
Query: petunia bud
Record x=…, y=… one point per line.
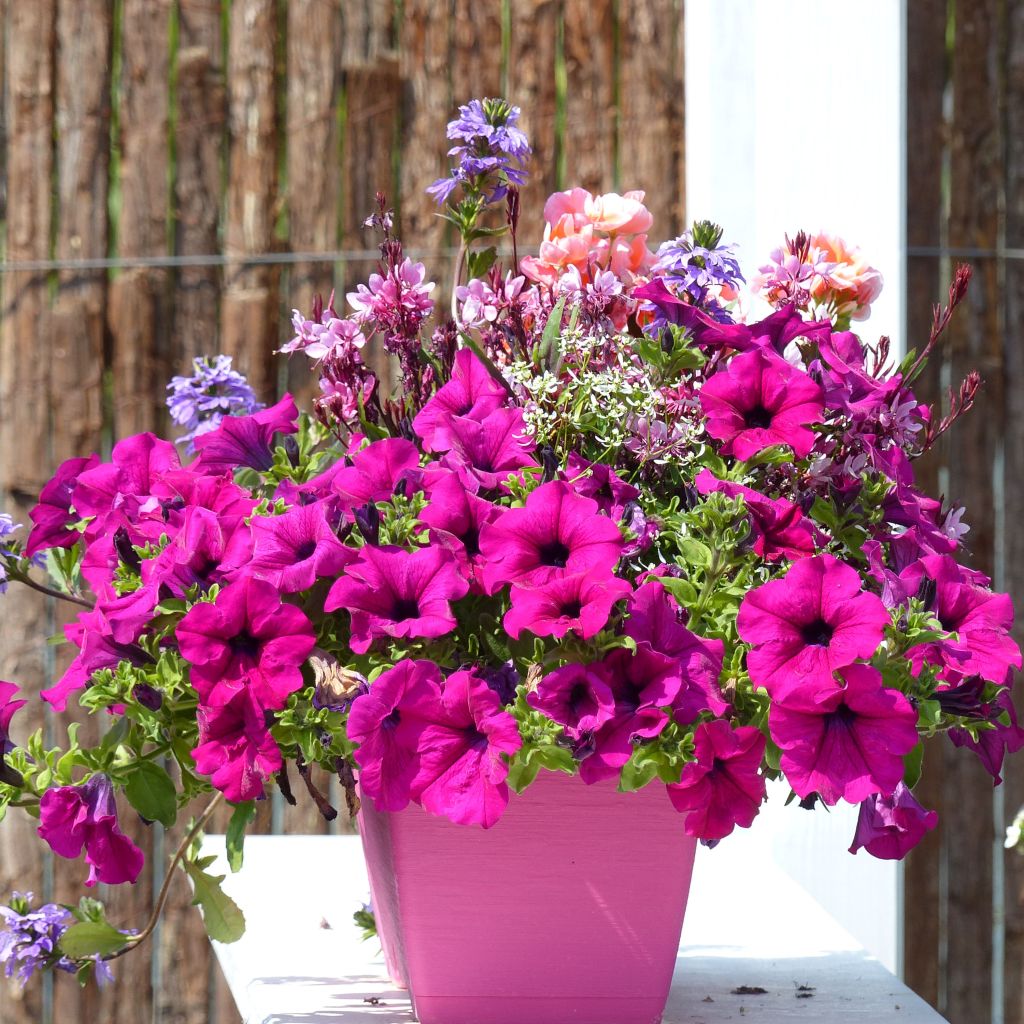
x=368, y=520
x=548, y=461
x=291, y=449
x=126, y=550
x=149, y=697
x=926, y=592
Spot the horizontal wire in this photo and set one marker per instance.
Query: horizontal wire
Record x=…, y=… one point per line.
x=966, y=252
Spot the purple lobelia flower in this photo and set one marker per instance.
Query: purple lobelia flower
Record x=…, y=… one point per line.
x=700, y=269
x=77, y=818
x=392, y=592
x=888, y=827
x=492, y=151
x=199, y=402
x=293, y=549
x=246, y=440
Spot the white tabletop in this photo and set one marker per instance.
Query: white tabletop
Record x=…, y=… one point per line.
x=301, y=960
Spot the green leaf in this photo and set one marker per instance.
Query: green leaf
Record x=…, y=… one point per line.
x=235, y=837
x=552, y=330
x=151, y=792
x=912, y=764
x=636, y=773
x=224, y=921
x=479, y=262
x=522, y=773
x=91, y=938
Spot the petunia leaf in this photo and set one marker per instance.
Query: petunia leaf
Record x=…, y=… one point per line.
x=152, y=793
x=223, y=920
x=92, y=938
x=235, y=836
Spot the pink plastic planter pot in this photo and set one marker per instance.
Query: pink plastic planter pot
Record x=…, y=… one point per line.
x=568, y=910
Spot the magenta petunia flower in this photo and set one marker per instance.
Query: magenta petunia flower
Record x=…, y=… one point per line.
x=52, y=516
x=8, y=707
x=656, y=619
x=456, y=516
x=376, y=471
x=643, y=685
x=722, y=786
x=293, y=549
x=580, y=602
x=846, y=742
x=235, y=747
x=576, y=696
x=471, y=392
x=601, y=483
x=557, y=532
x=387, y=724
x=486, y=452
x=805, y=626
x=392, y=592
x=779, y=529
x=245, y=440
x=759, y=400
x=467, y=753
x=77, y=818
x=993, y=744
x=246, y=639
x=888, y=827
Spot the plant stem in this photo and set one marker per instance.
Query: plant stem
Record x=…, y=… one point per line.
x=136, y=940
x=51, y=592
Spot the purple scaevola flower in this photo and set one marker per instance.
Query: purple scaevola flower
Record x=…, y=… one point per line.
x=198, y=403
x=694, y=270
x=491, y=150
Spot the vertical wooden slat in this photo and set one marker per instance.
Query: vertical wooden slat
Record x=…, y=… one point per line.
x=199, y=148
x=138, y=296
x=314, y=39
x=24, y=399
x=650, y=130
x=924, y=957
x=249, y=313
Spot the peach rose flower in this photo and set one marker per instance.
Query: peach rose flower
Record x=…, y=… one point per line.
x=853, y=284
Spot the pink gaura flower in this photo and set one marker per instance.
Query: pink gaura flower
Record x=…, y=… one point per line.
x=246, y=440
x=643, y=685
x=376, y=471
x=294, y=549
x=471, y=392
x=246, y=639
x=779, y=529
x=466, y=753
x=556, y=533
x=580, y=602
x=888, y=827
x=846, y=742
x=235, y=747
x=387, y=724
x=759, y=400
x=722, y=786
x=455, y=516
x=601, y=483
x=392, y=592
x=805, y=626
x=52, y=516
x=77, y=818
x=485, y=453
x=576, y=696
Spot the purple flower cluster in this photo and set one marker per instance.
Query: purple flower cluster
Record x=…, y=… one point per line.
x=199, y=403
x=492, y=152
x=695, y=265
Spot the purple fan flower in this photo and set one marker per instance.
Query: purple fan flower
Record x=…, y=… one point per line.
x=199, y=403
x=693, y=270
x=246, y=440
x=293, y=549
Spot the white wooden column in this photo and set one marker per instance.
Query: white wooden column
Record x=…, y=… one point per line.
x=795, y=120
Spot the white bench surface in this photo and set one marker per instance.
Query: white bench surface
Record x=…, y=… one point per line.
x=301, y=960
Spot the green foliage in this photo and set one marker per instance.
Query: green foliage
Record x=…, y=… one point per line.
x=223, y=920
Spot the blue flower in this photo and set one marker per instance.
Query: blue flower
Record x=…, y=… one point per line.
x=199, y=403
x=693, y=266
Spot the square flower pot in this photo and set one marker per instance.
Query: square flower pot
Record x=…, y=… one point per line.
x=569, y=909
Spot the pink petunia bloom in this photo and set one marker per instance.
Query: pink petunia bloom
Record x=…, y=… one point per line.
x=387, y=724
x=847, y=742
x=759, y=400
x=247, y=639
x=456, y=517
x=576, y=696
x=643, y=685
x=376, y=471
x=471, y=392
x=557, y=532
x=8, y=706
x=485, y=453
x=245, y=440
x=580, y=602
x=779, y=529
x=235, y=747
x=77, y=818
x=294, y=549
x=722, y=787
x=656, y=619
x=805, y=626
x=601, y=483
x=888, y=827
x=466, y=753
x=392, y=592
x=52, y=516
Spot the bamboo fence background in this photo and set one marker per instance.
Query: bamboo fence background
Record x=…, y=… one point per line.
x=165, y=165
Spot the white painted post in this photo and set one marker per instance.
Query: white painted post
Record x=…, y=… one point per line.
x=795, y=120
